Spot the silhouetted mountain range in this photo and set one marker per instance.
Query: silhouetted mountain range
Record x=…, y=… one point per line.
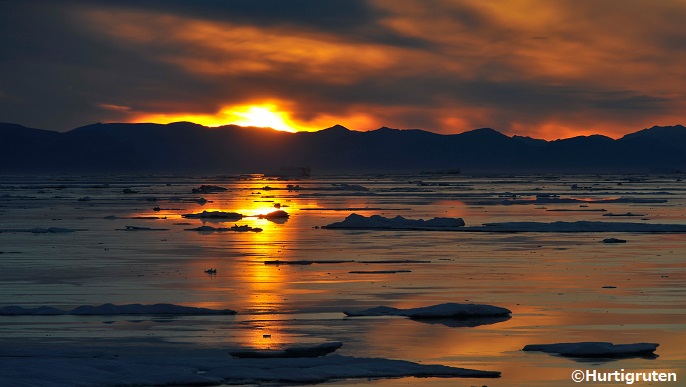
x=185, y=147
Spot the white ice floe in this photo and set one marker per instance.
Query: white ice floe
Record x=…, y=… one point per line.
x=115, y=367
x=595, y=349
x=221, y=215
x=288, y=352
x=355, y=221
x=580, y=226
x=111, y=309
x=448, y=310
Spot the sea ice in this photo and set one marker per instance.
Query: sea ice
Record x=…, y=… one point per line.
x=580, y=226
x=448, y=310
x=208, y=189
x=236, y=228
x=111, y=309
x=614, y=240
x=289, y=352
x=278, y=214
x=137, y=228
x=110, y=366
x=595, y=349
x=355, y=221
x=214, y=215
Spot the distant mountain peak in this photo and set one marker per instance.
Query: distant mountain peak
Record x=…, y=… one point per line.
x=489, y=133
x=336, y=129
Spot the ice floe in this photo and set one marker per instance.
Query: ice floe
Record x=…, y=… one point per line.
x=138, y=228
x=208, y=189
x=41, y=230
x=274, y=215
x=447, y=310
x=554, y=199
x=355, y=221
x=111, y=309
x=221, y=215
x=377, y=222
x=596, y=349
x=579, y=226
x=235, y=228
x=614, y=240
x=305, y=262
x=289, y=352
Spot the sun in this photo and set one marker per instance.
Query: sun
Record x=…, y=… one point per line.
x=264, y=116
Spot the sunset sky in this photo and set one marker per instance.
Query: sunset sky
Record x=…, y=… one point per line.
x=547, y=69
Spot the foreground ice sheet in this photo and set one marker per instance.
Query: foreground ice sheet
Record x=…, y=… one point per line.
x=355, y=221
x=448, y=310
x=111, y=309
x=596, y=349
x=116, y=366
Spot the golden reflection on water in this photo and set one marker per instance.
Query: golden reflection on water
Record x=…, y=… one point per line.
x=255, y=288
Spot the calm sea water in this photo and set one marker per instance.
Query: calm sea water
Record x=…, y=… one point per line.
x=552, y=282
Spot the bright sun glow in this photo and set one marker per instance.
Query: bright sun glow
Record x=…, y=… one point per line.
x=265, y=115
x=262, y=116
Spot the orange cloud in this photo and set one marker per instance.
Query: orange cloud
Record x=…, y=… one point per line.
x=544, y=69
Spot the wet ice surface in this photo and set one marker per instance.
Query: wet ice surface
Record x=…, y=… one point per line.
x=560, y=287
